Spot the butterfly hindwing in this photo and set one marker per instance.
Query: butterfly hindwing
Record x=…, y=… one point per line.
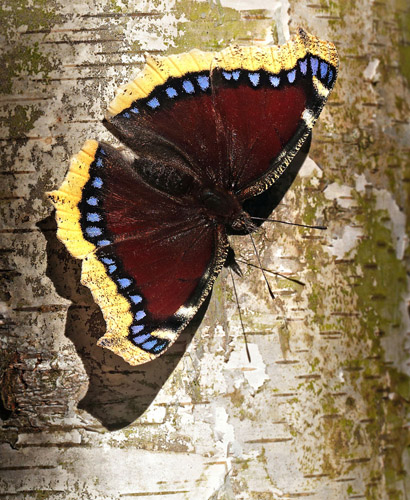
x=148, y=257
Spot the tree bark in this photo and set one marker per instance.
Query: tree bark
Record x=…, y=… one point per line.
x=320, y=411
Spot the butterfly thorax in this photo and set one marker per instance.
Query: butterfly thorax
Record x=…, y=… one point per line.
x=223, y=207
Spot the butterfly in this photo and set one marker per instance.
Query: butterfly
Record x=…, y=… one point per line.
x=204, y=131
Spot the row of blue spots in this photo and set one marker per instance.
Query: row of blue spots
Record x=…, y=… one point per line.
x=323, y=68
x=94, y=201
x=316, y=66
x=94, y=231
x=254, y=78
x=171, y=92
x=228, y=75
x=123, y=284
x=147, y=342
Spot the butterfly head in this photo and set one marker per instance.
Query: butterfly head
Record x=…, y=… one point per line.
x=223, y=207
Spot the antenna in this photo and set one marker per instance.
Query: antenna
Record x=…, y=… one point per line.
x=271, y=272
x=323, y=228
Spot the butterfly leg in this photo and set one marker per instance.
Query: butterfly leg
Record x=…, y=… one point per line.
x=232, y=263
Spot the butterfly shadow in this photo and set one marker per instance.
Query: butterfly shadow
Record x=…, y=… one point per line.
x=118, y=393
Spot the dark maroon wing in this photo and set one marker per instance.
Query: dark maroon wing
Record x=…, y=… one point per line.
x=174, y=110
x=149, y=256
x=268, y=100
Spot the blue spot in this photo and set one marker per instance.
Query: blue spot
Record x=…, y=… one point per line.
x=292, y=76
x=102, y=152
x=171, y=92
x=134, y=110
x=323, y=69
x=153, y=103
x=314, y=64
x=138, y=339
x=160, y=346
x=203, y=82
x=112, y=268
x=227, y=75
x=275, y=80
x=303, y=67
x=124, y=282
x=236, y=74
x=93, y=201
x=330, y=76
x=93, y=231
x=126, y=115
x=254, y=78
x=188, y=87
x=99, y=162
x=139, y=315
x=136, y=299
x=93, y=217
x=103, y=243
x=149, y=345
x=107, y=261
x=97, y=182
x=138, y=328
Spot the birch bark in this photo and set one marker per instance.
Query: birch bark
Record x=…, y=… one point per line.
x=321, y=410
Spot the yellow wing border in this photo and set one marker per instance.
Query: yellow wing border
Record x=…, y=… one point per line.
x=273, y=59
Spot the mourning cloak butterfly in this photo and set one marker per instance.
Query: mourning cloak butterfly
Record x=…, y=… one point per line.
x=208, y=130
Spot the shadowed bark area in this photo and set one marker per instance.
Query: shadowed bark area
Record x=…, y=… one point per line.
x=321, y=410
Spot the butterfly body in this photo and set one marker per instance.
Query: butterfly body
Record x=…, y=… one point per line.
x=207, y=131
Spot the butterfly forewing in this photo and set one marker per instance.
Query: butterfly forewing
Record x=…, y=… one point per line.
x=267, y=99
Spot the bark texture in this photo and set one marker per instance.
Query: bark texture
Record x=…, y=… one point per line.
x=320, y=412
